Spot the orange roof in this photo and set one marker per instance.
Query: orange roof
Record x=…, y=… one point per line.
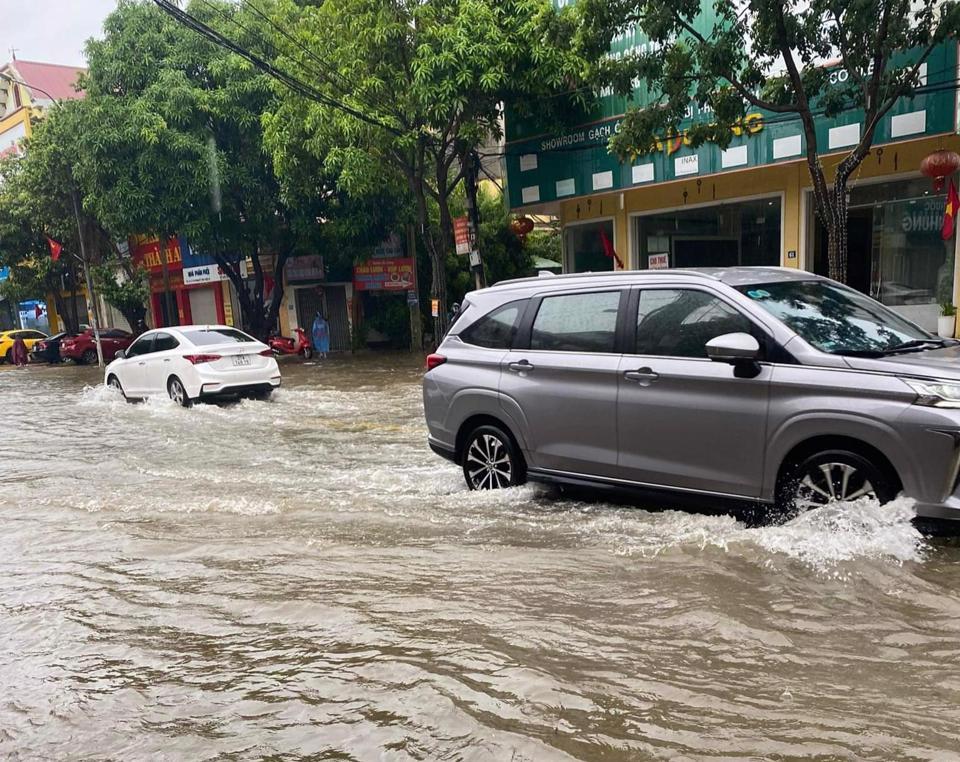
x=45, y=80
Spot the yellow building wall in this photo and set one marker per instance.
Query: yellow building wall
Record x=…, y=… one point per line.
x=788, y=180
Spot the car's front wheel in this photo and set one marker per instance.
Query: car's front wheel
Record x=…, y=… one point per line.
x=491, y=460
x=178, y=392
x=832, y=476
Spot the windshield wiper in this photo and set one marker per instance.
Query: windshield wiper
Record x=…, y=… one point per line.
x=858, y=353
x=918, y=345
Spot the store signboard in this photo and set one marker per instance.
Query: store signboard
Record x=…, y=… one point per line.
x=658, y=261
x=4, y=273
x=461, y=235
x=203, y=274
x=384, y=275
x=545, y=165
x=145, y=251
x=391, y=248
x=305, y=268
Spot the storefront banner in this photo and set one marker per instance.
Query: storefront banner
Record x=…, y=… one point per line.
x=384, y=275
x=658, y=261
x=146, y=252
x=308, y=267
x=4, y=273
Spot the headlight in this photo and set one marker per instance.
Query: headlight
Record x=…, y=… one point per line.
x=936, y=393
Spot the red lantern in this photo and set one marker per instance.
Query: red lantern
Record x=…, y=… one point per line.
x=521, y=226
x=940, y=165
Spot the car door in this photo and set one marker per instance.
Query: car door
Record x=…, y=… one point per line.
x=560, y=379
x=685, y=421
x=132, y=370
x=159, y=363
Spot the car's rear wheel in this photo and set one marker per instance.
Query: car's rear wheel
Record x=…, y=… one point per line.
x=832, y=476
x=491, y=460
x=178, y=393
x=9, y=356
x=89, y=356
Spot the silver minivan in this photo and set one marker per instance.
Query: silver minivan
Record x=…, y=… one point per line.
x=768, y=385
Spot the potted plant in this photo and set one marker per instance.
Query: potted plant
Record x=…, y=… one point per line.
x=947, y=323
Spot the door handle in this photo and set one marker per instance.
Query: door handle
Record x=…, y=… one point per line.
x=643, y=376
x=142, y=363
x=166, y=359
x=520, y=367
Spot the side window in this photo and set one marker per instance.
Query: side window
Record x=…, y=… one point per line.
x=496, y=329
x=141, y=346
x=164, y=342
x=680, y=322
x=577, y=323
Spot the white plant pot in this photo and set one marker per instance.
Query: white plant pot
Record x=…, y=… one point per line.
x=947, y=326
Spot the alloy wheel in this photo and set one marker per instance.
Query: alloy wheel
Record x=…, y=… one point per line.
x=177, y=393
x=488, y=463
x=829, y=482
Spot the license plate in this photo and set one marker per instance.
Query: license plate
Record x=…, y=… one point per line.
x=241, y=360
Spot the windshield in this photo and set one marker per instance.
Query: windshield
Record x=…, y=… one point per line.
x=217, y=336
x=833, y=318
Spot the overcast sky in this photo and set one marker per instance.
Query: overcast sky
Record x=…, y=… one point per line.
x=51, y=31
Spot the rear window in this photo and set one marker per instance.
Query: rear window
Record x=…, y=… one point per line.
x=217, y=336
x=495, y=330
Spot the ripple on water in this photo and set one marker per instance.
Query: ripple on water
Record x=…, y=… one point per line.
x=304, y=578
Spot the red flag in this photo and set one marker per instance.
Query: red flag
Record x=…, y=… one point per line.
x=608, y=250
x=950, y=213
x=38, y=311
x=55, y=249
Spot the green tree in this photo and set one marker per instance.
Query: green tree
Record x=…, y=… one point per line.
x=424, y=82
x=175, y=146
x=728, y=56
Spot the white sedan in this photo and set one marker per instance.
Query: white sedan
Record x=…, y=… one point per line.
x=194, y=362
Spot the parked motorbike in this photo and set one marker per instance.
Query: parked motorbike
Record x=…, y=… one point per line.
x=298, y=345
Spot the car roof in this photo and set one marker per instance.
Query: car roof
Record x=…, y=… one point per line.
x=732, y=276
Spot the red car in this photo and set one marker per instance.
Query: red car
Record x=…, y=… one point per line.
x=83, y=349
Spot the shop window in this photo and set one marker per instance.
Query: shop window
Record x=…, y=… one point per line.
x=720, y=235
x=894, y=249
x=589, y=247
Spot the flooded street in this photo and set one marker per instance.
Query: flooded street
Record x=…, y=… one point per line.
x=304, y=579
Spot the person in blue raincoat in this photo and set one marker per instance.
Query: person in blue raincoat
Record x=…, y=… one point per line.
x=321, y=335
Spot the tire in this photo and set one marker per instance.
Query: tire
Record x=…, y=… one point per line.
x=261, y=396
x=8, y=357
x=114, y=384
x=829, y=476
x=307, y=353
x=178, y=392
x=491, y=460
x=89, y=356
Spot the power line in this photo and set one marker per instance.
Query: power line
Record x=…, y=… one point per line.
x=291, y=82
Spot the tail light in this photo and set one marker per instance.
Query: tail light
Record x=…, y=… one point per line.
x=197, y=359
x=434, y=360
x=266, y=353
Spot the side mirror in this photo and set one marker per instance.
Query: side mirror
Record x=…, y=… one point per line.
x=733, y=348
x=119, y=355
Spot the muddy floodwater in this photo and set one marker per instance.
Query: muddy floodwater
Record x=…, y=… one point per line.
x=304, y=579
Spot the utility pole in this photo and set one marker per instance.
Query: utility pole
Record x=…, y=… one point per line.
x=413, y=298
x=91, y=303
x=471, y=171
